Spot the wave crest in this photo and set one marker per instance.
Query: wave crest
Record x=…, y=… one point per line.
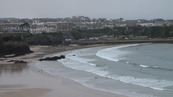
x=114, y=53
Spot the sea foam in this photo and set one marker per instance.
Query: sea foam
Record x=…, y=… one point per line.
x=81, y=60
x=145, y=82
x=114, y=53
x=78, y=63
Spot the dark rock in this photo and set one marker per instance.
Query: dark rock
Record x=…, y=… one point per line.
x=17, y=61
x=20, y=61
x=62, y=57
x=52, y=58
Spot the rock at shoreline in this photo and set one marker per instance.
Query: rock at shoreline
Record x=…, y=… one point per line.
x=17, y=61
x=52, y=58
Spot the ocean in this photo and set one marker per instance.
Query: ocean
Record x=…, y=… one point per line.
x=135, y=70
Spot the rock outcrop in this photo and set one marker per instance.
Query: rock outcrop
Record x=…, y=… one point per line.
x=52, y=58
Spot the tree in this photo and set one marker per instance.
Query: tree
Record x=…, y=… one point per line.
x=76, y=35
x=25, y=27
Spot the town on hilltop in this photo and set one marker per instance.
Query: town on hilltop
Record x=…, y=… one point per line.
x=17, y=34
x=40, y=25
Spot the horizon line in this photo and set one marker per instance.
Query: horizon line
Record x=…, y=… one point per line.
x=83, y=16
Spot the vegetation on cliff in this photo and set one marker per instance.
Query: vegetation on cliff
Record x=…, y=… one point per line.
x=151, y=32
x=18, y=43
x=44, y=39
x=13, y=44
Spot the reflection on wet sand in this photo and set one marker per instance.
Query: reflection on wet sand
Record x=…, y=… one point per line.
x=13, y=68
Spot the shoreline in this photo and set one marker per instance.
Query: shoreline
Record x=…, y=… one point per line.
x=37, y=83
x=134, y=80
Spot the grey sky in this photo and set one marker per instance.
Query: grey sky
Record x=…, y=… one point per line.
x=111, y=9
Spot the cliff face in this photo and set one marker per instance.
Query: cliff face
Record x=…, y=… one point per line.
x=17, y=48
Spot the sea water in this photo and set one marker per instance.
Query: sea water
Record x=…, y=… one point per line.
x=135, y=70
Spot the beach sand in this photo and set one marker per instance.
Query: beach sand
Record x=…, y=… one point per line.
x=26, y=80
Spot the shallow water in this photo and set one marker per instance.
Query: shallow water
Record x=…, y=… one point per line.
x=136, y=70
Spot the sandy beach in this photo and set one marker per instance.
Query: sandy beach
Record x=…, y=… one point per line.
x=26, y=80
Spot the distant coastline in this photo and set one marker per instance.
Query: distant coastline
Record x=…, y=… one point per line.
x=23, y=48
x=111, y=42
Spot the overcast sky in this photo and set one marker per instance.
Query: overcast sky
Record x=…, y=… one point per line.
x=110, y=9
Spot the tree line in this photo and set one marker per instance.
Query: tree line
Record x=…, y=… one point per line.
x=151, y=32
x=19, y=42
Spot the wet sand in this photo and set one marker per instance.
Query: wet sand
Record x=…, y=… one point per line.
x=26, y=80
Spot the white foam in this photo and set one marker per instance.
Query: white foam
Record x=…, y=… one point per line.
x=78, y=56
x=114, y=53
x=150, y=83
x=145, y=82
x=92, y=64
x=76, y=60
x=144, y=66
x=83, y=66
